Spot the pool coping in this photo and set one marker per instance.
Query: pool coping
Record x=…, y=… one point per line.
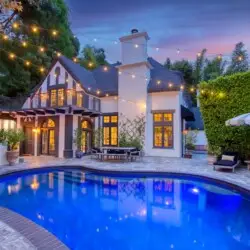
x=37, y=236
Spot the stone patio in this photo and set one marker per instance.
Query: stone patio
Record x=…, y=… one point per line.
x=196, y=166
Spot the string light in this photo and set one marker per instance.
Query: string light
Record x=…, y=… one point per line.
x=105, y=68
x=89, y=88
x=98, y=92
x=41, y=49
x=54, y=33
x=90, y=64
x=75, y=59
x=27, y=63
x=240, y=58
x=192, y=89
x=107, y=95
x=219, y=57
x=203, y=91
x=178, y=51
x=58, y=54
x=15, y=25
x=136, y=46
x=42, y=69
x=133, y=76
x=199, y=54
x=24, y=44
x=157, y=49
x=5, y=37
x=34, y=29
x=119, y=72
x=170, y=85
x=158, y=82
x=12, y=56
x=182, y=87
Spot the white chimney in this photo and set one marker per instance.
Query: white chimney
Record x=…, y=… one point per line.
x=134, y=47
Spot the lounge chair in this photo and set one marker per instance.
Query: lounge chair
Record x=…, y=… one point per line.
x=228, y=160
x=96, y=152
x=135, y=154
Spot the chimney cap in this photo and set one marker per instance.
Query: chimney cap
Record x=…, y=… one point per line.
x=133, y=31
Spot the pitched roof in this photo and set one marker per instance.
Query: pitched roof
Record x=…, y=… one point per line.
x=107, y=81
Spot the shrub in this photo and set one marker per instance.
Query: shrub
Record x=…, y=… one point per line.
x=222, y=99
x=3, y=135
x=14, y=137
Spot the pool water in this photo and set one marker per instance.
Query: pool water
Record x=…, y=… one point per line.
x=89, y=211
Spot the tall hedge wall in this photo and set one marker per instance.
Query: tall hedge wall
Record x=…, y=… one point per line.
x=220, y=100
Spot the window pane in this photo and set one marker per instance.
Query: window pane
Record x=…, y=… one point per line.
x=157, y=117
x=106, y=119
x=60, y=97
x=168, y=117
x=114, y=136
x=105, y=136
x=114, y=119
x=78, y=99
x=168, y=136
x=158, y=136
x=52, y=140
x=85, y=124
x=53, y=98
x=51, y=123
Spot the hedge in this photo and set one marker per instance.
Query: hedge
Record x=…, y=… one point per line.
x=220, y=100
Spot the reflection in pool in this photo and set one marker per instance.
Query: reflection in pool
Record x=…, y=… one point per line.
x=88, y=211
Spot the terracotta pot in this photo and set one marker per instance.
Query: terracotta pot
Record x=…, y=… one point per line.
x=211, y=159
x=12, y=157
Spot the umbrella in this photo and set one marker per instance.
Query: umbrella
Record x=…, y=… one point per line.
x=240, y=120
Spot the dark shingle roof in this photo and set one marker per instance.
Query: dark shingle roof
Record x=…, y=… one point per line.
x=107, y=81
x=198, y=123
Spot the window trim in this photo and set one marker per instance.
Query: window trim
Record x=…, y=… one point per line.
x=163, y=124
x=110, y=125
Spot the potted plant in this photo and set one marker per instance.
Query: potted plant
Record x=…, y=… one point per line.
x=190, y=140
x=78, y=142
x=13, y=138
x=213, y=153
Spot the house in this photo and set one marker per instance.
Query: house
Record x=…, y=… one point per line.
x=71, y=97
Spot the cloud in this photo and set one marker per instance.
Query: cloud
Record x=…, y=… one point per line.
x=171, y=24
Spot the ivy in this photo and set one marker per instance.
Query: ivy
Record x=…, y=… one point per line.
x=222, y=99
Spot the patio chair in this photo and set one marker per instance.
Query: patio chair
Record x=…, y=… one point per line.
x=96, y=152
x=228, y=160
x=135, y=154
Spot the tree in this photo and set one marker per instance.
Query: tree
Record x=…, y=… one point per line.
x=16, y=78
x=239, y=60
x=213, y=68
x=198, y=67
x=92, y=57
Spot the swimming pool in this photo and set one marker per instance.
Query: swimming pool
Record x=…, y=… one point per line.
x=95, y=211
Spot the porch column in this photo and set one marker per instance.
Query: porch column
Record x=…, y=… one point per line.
x=18, y=122
x=68, y=150
x=36, y=136
x=61, y=139
x=75, y=126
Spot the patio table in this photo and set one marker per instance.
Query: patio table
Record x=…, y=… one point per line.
x=105, y=150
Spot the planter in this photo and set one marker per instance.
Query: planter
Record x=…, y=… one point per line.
x=211, y=159
x=12, y=157
x=188, y=156
x=79, y=154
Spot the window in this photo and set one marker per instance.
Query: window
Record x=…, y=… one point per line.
x=51, y=124
x=53, y=98
x=60, y=97
x=106, y=136
x=106, y=119
x=163, y=130
x=79, y=99
x=110, y=130
x=114, y=119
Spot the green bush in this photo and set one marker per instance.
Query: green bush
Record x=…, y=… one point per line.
x=13, y=138
x=3, y=135
x=222, y=99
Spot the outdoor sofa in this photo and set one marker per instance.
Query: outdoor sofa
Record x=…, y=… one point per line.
x=228, y=160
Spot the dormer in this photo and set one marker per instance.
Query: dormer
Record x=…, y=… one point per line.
x=134, y=47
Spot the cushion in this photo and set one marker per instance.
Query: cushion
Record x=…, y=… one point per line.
x=227, y=157
x=225, y=163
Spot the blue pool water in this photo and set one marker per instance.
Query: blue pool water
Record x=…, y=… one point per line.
x=89, y=211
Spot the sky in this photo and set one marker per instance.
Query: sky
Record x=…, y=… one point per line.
x=184, y=25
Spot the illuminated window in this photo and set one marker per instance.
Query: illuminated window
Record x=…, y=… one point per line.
x=158, y=117
x=85, y=124
x=52, y=140
x=53, y=98
x=60, y=97
x=106, y=136
x=106, y=119
x=114, y=119
x=78, y=99
x=51, y=123
x=163, y=130
x=110, y=130
x=113, y=136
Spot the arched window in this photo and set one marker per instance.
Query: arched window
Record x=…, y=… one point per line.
x=57, y=74
x=86, y=125
x=49, y=124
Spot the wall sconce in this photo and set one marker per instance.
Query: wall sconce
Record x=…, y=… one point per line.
x=36, y=130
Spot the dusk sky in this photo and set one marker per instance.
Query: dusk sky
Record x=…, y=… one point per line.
x=188, y=25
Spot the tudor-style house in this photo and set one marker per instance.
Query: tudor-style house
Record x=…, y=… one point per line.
x=71, y=97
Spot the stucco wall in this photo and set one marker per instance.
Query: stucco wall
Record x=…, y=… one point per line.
x=109, y=104
x=164, y=101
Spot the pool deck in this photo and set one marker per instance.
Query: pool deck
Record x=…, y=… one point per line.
x=196, y=166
